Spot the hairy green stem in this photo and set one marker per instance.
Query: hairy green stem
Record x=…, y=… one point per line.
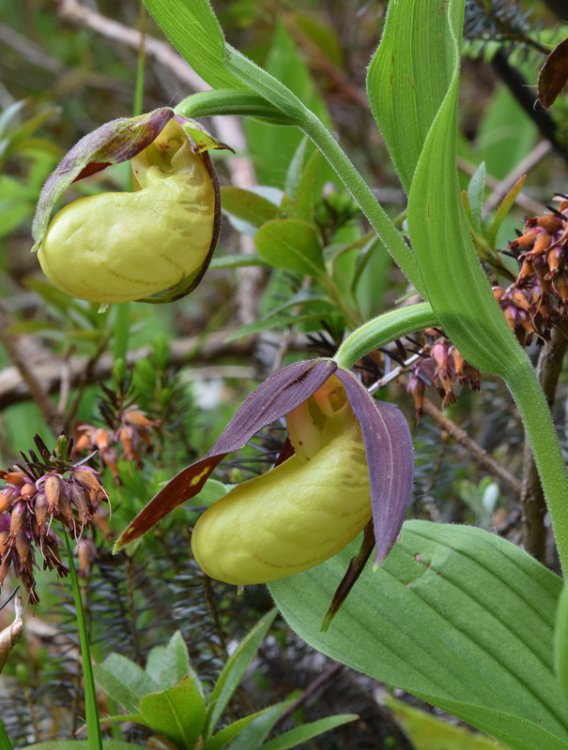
x=91, y=708
x=383, y=329
x=537, y=419
x=356, y=185
x=229, y=101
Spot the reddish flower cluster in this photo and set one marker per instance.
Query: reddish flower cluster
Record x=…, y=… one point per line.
x=130, y=429
x=441, y=366
x=535, y=302
x=538, y=298
x=29, y=503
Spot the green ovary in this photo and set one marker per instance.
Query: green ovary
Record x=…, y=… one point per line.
x=115, y=247
x=290, y=519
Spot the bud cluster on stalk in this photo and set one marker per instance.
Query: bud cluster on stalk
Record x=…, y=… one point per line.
x=30, y=501
x=535, y=302
x=441, y=366
x=538, y=298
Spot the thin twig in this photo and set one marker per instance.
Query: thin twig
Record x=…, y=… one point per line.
x=477, y=453
x=313, y=687
x=542, y=149
x=29, y=376
x=195, y=349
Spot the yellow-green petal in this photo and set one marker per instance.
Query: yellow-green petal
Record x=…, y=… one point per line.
x=290, y=519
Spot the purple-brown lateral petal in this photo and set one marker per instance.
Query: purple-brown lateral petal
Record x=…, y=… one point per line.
x=276, y=396
x=114, y=142
x=390, y=458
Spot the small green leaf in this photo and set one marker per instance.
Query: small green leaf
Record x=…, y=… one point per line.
x=247, y=205
x=305, y=732
x=427, y=732
x=167, y=665
x=254, y=734
x=124, y=681
x=476, y=193
x=292, y=245
x=178, y=712
x=234, y=671
x=306, y=190
x=224, y=736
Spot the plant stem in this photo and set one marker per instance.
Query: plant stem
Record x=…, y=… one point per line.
x=91, y=707
x=537, y=419
x=363, y=195
x=5, y=743
x=549, y=369
x=383, y=329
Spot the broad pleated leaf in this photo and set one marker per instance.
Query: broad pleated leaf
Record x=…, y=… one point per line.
x=455, y=615
x=407, y=79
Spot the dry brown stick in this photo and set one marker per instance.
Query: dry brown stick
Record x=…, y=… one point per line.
x=14, y=388
x=28, y=375
x=542, y=149
x=549, y=368
x=477, y=453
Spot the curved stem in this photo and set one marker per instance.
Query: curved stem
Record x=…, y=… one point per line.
x=91, y=707
x=363, y=195
x=537, y=419
x=383, y=329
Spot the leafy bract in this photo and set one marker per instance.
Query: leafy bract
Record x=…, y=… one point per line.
x=455, y=615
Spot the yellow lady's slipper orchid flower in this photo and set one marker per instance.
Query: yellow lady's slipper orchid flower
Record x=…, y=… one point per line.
x=120, y=246
x=352, y=458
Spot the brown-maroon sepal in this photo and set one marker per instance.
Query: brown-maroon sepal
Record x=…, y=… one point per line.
x=276, y=396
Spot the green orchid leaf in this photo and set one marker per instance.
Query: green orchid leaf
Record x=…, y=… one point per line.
x=408, y=78
x=178, y=712
x=247, y=205
x=193, y=29
x=234, y=670
x=455, y=615
x=305, y=732
x=291, y=245
x=561, y=642
x=124, y=681
x=427, y=732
